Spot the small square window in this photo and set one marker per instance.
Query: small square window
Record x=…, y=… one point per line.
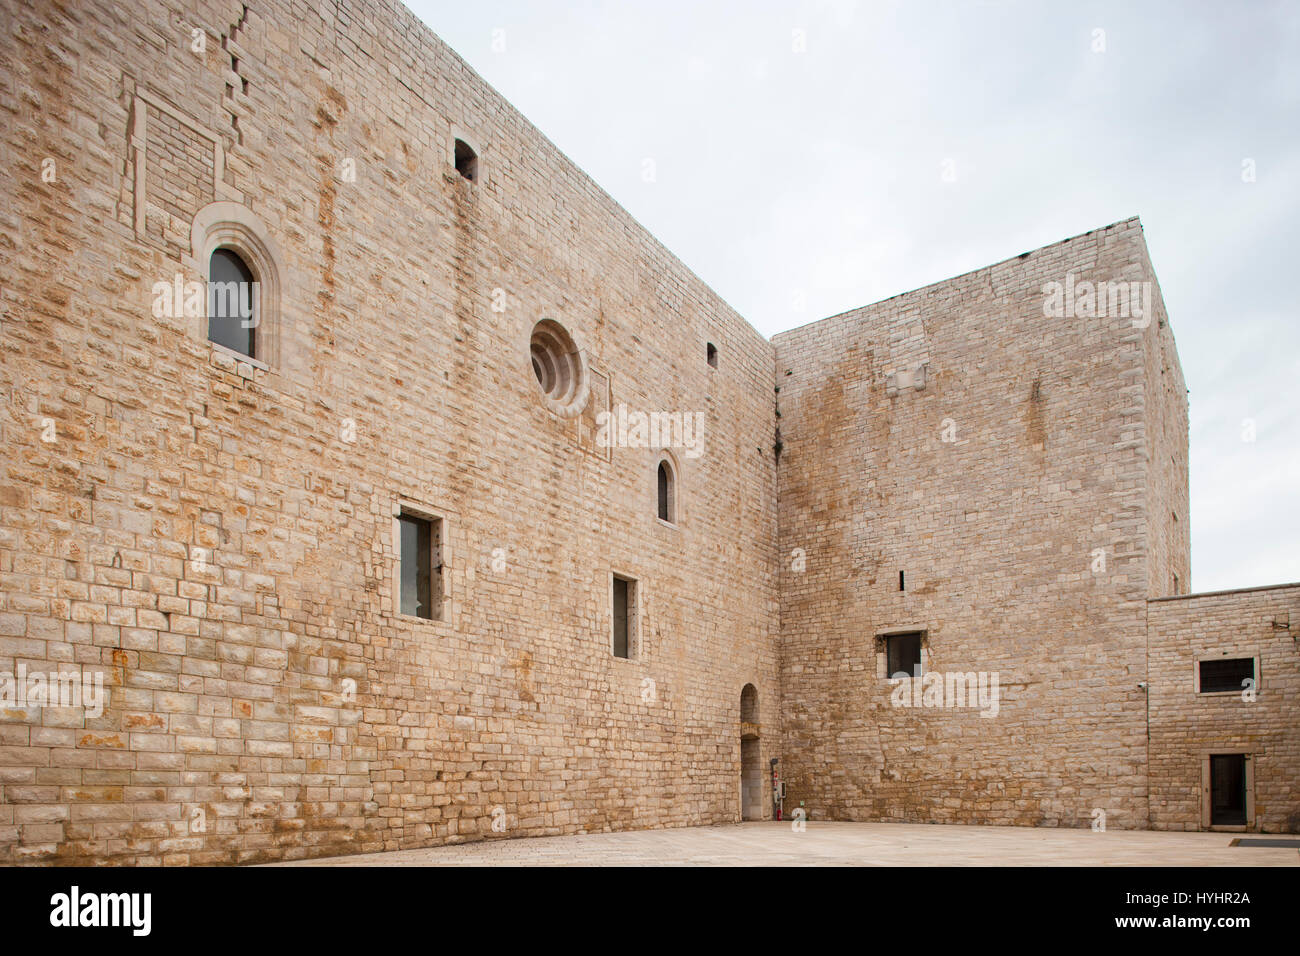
x=1220, y=675
x=903, y=655
x=420, y=566
x=624, y=633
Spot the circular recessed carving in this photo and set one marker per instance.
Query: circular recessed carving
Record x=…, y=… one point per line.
x=559, y=369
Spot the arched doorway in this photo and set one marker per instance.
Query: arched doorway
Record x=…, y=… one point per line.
x=751, y=758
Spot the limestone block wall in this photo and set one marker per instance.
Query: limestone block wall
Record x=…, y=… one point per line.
x=1001, y=460
x=1186, y=726
x=216, y=537
x=1165, y=430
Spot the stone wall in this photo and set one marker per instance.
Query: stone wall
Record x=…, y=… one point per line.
x=1164, y=425
x=214, y=536
x=1002, y=460
x=217, y=537
x=1186, y=726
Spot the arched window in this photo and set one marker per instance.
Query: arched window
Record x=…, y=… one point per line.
x=749, y=704
x=235, y=252
x=466, y=160
x=232, y=303
x=667, y=487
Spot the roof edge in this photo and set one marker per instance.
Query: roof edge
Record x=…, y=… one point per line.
x=1202, y=594
x=962, y=275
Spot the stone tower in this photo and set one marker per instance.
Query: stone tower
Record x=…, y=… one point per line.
x=966, y=471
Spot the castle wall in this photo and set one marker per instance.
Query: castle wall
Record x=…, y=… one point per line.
x=217, y=537
x=1165, y=429
x=996, y=489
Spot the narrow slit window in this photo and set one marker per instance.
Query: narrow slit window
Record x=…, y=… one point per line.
x=902, y=583
x=667, y=493
x=624, y=617
x=466, y=160
x=711, y=354
x=421, y=566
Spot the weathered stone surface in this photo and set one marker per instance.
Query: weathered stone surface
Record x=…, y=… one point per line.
x=1186, y=726
x=998, y=490
x=214, y=534
x=217, y=537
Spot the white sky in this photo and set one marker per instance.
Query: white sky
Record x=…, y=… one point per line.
x=802, y=184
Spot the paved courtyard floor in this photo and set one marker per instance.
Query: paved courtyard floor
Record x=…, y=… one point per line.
x=845, y=844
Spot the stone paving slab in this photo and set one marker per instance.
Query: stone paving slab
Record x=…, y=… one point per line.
x=841, y=844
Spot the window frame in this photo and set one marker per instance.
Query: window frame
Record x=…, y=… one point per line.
x=480, y=179
x=553, y=336
x=231, y=225
x=472, y=162
x=882, y=641
x=674, y=519
x=634, y=598
x=1207, y=795
x=893, y=649
x=1236, y=691
x=439, y=564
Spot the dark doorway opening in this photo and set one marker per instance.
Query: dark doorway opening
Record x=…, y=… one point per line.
x=751, y=761
x=751, y=780
x=1227, y=790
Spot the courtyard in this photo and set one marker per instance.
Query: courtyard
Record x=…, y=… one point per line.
x=850, y=844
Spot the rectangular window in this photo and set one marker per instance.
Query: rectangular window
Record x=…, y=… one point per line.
x=420, y=566
x=904, y=654
x=1226, y=674
x=624, y=617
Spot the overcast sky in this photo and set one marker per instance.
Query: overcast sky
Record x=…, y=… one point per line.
x=799, y=183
